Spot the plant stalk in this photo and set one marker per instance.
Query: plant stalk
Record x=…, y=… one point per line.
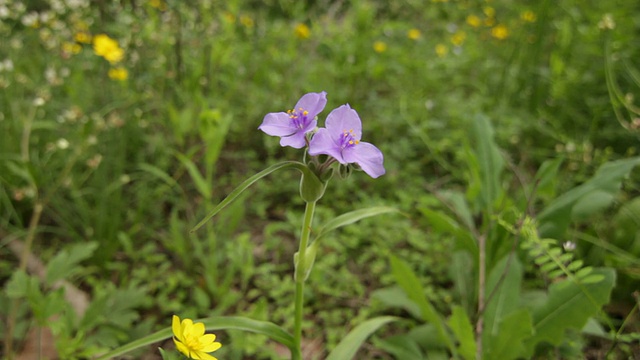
x=482, y=244
x=300, y=272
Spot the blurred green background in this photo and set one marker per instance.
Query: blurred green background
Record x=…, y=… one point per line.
x=113, y=147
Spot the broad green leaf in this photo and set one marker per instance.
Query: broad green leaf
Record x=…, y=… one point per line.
x=242, y=187
x=396, y=297
x=446, y=224
x=489, y=158
x=503, y=296
x=546, y=178
x=555, y=218
x=462, y=272
x=401, y=346
x=569, y=305
x=348, y=347
x=213, y=323
x=410, y=283
x=352, y=217
x=596, y=201
x=461, y=327
x=203, y=186
x=66, y=261
x=593, y=328
x=508, y=343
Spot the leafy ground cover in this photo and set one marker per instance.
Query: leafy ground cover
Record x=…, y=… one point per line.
x=503, y=125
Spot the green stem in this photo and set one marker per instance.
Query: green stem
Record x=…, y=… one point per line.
x=300, y=273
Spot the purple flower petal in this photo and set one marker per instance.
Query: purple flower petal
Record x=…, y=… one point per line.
x=298, y=139
x=367, y=156
x=314, y=103
x=344, y=118
x=277, y=124
x=293, y=125
x=323, y=143
x=341, y=140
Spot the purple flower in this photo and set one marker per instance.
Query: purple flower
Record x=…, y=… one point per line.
x=341, y=140
x=293, y=125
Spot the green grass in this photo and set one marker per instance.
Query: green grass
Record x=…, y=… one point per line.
x=133, y=165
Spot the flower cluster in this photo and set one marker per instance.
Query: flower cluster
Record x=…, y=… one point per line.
x=109, y=49
x=339, y=139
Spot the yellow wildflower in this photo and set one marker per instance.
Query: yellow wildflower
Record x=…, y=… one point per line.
x=191, y=340
x=500, y=32
x=528, y=16
x=414, y=34
x=441, y=50
x=302, y=31
x=246, y=21
x=119, y=73
x=71, y=48
x=82, y=37
x=473, y=20
x=489, y=11
x=108, y=48
x=458, y=38
x=158, y=4
x=379, y=47
x=229, y=17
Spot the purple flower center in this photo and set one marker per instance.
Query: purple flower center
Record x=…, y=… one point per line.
x=299, y=118
x=348, y=139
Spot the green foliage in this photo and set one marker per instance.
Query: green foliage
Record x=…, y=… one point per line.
x=354, y=339
x=478, y=139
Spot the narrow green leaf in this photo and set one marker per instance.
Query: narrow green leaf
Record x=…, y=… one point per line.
x=242, y=187
x=548, y=267
x=575, y=265
x=348, y=347
x=204, y=188
x=542, y=259
x=159, y=173
x=461, y=326
x=213, y=323
x=352, y=217
x=409, y=282
x=556, y=273
x=584, y=271
x=592, y=279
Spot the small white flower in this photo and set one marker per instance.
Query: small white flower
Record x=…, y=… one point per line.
x=38, y=101
x=62, y=143
x=607, y=22
x=30, y=19
x=569, y=246
x=4, y=12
